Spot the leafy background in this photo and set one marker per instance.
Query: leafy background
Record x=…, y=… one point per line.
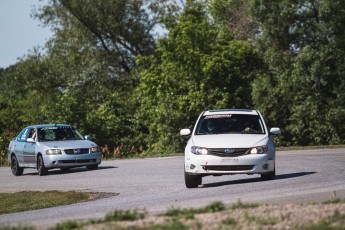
x=133, y=73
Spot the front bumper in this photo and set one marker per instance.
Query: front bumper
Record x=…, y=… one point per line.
x=215, y=165
x=69, y=161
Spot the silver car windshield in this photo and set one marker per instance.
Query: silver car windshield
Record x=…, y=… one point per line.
x=56, y=133
x=230, y=124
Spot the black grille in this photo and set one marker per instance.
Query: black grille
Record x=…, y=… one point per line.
x=76, y=151
x=76, y=161
x=228, y=167
x=229, y=152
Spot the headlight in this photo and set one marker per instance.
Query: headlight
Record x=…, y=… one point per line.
x=95, y=149
x=259, y=150
x=53, y=152
x=199, y=150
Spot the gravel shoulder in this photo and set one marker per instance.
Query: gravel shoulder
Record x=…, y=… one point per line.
x=287, y=216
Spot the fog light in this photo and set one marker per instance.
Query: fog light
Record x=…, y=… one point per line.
x=192, y=166
x=265, y=166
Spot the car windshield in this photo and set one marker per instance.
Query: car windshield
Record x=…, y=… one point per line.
x=55, y=133
x=230, y=123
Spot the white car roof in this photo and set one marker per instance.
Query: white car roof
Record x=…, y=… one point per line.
x=231, y=111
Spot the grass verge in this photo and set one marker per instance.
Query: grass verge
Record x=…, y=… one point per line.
x=31, y=200
x=326, y=215
x=291, y=148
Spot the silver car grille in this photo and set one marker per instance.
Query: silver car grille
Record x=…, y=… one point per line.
x=76, y=151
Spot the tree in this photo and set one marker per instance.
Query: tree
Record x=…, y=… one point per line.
x=304, y=51
x=93, y=52
x=235, y=16
x=194, y=69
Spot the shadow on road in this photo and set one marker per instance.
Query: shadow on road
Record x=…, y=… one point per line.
x=292, y=175
x=72, y=170
x=258, y=179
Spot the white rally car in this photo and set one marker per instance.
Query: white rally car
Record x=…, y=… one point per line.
x=230, y=141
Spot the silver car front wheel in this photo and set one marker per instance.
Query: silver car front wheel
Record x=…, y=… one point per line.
x=42, y=170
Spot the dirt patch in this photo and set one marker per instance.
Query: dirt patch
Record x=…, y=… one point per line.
x=289, y=216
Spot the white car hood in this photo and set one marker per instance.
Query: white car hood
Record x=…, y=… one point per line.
x=68, y=144
x=229, y=140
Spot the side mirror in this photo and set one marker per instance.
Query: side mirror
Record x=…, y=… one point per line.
x=30, y=140
x=185, y=132
x=88, y=137
x=275, y=131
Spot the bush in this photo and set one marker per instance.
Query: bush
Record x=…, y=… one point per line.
x=5, y=139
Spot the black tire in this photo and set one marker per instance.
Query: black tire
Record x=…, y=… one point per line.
x=42, y=170
x=192, y=181
x=16, y=170
x=92, y=167
x=269, y=176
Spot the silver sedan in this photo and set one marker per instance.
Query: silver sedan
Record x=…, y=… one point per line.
x=51, y=146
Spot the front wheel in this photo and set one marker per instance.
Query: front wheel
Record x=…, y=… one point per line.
x=16, y=170
x=192, y=181
x=42, y=170
x=269, y=176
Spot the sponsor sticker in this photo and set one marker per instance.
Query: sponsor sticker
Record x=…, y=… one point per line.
x=218, y=116
x=229, y=160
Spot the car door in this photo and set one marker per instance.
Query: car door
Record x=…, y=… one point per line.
x=29, y=147
x=19, y=145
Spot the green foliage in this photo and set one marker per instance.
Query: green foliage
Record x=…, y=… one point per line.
x=189, y=213
x=123, y=215
x=301, y=46
x=235, y=17
x=17, y=202
x=169, y=225
x=195, y=68
x=334, y=222
x=86, y=76
x=107, y=72
x=67, y=225
x=334, y=201
x=230, y=222
x=4, y=141
x=240, y=205
x=20, y=227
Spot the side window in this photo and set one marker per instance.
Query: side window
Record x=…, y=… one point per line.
x=32, y=134
x=23, y=135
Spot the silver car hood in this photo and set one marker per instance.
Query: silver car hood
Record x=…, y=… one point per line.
x=68, y=144
x=230, y=140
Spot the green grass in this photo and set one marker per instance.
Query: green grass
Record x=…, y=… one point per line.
x=334, y=201
x=291, y=148
x=188, y=213
x=240, y=205
x=334, y=222
x=183, y=219
x=7, y=227
x=31, y=200
x=123, y=215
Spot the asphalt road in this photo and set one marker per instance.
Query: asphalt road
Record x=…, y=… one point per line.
x=157, y=184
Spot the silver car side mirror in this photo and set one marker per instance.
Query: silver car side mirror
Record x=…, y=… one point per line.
x=185, y=132
x=88, y=137
x=275, y=131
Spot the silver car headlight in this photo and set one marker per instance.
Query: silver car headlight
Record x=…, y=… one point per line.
x=199, y=150
x=53, y=152
x=259, y=150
